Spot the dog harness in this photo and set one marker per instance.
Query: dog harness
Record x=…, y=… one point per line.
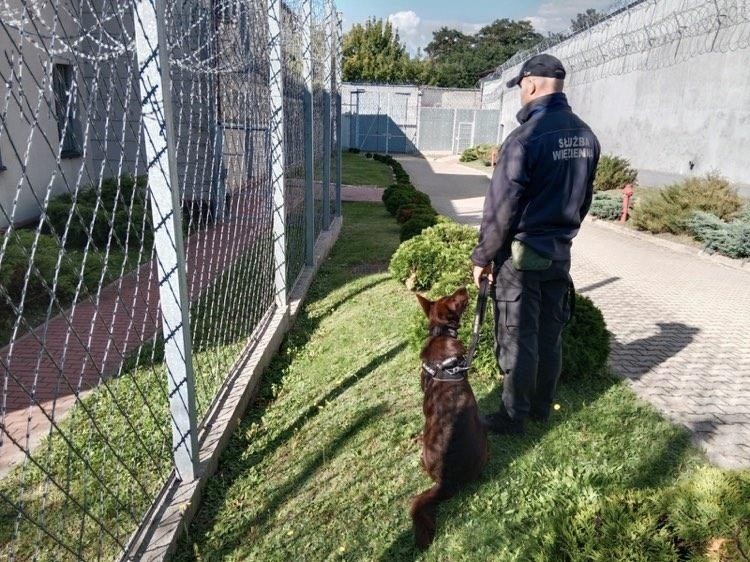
x=455, y=368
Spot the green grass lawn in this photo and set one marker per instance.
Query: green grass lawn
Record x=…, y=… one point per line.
x=358, y=170
x=324, y=464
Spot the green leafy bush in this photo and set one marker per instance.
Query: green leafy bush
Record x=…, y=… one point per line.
x=614, y=172
x=586, y=341
x=442, y=249
x=412, y=210
x=670, y=208
x=437, y=261
x=482, y=152
x=606, y=207
x=396, y=197
x=354, y=151
x=729, y=238
x=416, y=225
x=122, y=209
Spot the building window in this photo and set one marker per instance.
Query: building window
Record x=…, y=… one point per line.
x=68, y=127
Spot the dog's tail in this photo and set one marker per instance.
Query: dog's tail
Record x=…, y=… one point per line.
x=424, y=510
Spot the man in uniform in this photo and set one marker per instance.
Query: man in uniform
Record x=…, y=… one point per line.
x=539, y=194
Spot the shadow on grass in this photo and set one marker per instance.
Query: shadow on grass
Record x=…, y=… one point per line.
x=230, y=541
x=659, y=465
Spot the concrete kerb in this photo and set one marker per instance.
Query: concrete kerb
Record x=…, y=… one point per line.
x=178, y=501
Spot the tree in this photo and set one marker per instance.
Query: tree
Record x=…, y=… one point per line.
x=586, y=19
x=373, y=52
x=460, y=60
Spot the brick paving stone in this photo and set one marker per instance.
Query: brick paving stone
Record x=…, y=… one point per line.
x=680, y=323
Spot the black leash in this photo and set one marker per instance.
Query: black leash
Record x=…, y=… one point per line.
x=484, y=285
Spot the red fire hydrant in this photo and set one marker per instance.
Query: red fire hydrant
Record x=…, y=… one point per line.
x=627, y=193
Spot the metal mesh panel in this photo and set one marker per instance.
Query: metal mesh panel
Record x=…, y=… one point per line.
x=487, y=126
x=137, y=220
x=294, y=146
x=436, y=129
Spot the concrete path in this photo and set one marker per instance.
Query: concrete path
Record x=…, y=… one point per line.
x=681, y=324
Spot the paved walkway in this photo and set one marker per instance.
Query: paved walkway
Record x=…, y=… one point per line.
x=681, y=324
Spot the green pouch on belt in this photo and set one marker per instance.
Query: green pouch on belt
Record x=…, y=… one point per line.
x=525, y=258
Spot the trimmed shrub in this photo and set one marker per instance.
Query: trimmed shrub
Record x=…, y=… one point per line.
x=416, y=225
x=440, y=250
x=82, y=224
x=482, y=152
x=614, y=172
x=670, y=208
x=438, y=261
x=412, y=210
x=731, y=239
x=402, y=196
x=586, y=341
x=606, y=207
x=354, y=151
x=368, y=155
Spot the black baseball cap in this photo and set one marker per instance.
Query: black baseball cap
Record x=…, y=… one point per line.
x=540, y=65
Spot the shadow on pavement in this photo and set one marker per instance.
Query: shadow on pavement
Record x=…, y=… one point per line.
x=635, y=359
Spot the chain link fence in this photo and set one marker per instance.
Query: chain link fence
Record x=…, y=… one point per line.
x=166, y=169
x=410, y=119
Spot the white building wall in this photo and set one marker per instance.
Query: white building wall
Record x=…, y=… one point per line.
x=662, y=85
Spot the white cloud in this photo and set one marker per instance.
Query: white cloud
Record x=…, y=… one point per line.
x=416, y=32
x=555, y=15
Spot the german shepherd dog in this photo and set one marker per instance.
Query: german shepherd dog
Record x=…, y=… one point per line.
x=454, y=441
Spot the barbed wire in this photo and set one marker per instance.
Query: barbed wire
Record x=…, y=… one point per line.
x=86, y=427
x=642, y=35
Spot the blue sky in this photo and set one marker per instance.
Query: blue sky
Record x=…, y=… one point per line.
x=417, y=19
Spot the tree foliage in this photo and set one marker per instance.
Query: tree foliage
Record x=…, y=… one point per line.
x=373, y=52
x=586, y=19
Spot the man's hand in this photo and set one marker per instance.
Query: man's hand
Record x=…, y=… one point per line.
x=480, y=272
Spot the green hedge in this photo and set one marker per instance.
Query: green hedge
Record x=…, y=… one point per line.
x=606, y=207
x=614, y=172
x=437, y=262
x=669, y=209
x=481, y=152
x=729, y=238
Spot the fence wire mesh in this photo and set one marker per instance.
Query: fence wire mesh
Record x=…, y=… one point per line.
x=88, y=425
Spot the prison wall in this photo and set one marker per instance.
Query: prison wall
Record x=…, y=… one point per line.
x=663, y=83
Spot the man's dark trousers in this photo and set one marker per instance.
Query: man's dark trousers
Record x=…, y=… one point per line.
x=531, y=309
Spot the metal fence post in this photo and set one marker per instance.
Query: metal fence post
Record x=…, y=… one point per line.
x=339, y=125
x=159, y=136
x=307, y=72
x=328, y=68
x=276, y=81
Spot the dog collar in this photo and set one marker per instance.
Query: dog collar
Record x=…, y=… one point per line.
x=444, y=331
x=451, y=369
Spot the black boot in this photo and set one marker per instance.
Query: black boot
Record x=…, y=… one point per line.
x=500, y=422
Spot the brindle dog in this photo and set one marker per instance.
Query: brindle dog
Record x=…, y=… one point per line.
x=454, y=441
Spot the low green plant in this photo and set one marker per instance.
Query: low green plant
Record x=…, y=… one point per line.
x=438, y=261
x=354, y=150
x=670, y=208
x=614, y=172
x=482, y=152
x=729, y=238
x=399, y=196
x=606, y=207
x=412, y=210
x=443, y=248
x=415, y=225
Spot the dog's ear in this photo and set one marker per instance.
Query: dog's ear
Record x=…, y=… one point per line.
x=426, y=304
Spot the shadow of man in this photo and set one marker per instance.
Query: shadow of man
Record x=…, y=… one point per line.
x=635, y=359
